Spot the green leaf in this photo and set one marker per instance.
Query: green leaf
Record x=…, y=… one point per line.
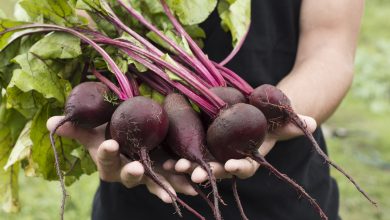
x=235, y=17
x=8, y=38
x=12, y=50
x=192, y=11
x=42, y=153
x=154, y=6
x=22, y=148
x=147, y=91
x=171, y=75
x=6, y=66
x=99, y=6
x=181, y=41
x=158, y=97
x=104, y=25
x=40, y=75
x=195, y=31
x=57, y=45
x=9, y=188
x=26, y=103
x=87, y=165
x=11, y=124
x=7, y=178
x=54, y=11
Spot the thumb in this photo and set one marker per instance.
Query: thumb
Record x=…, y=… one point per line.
x=108, y=160
x=87, y=137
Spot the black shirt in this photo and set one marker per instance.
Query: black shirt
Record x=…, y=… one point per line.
x=267, y=56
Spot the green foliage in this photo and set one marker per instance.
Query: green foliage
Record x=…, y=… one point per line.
x=57, y=46
x=58, y=12
x=38, y=70
x=235, y=16
x=372, y=80
x=192, y=12
x=363, y=152
x=11, y=124
x=146, y=91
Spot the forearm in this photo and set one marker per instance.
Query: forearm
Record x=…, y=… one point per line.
x=323, y=70
x=317, y=85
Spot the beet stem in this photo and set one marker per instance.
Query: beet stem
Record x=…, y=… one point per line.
x=298, y=122
x=263, y=162
x=213, y=182
x=146, y=162
x=237, y=198
x=57, y=164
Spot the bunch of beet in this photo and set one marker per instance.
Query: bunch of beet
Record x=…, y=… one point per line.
x=211, y=114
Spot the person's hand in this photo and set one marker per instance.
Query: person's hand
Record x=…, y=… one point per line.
x=114, y=167
x=242, y=168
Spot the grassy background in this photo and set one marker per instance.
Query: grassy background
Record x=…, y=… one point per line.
x=358, y=137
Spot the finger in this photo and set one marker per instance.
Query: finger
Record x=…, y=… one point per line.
x=181, y=185
x=199, y=175
x=155, y=189
x=243, y=168
x=185, y=166
x=267, y=145
x=169, y=165
x=132, y=174
x=87, y=137
x=107, y=159
x=291, y=130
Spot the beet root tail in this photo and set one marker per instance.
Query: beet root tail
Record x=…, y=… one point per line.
x=237, y=198
x=57, y=165
x=298, y=122
x=200, y=192
x=213, y=182
x=263, y=162
x=146, y=162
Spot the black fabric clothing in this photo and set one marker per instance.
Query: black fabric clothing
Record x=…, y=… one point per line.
x=267, y=56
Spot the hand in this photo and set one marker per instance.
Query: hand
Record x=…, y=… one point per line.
x=242, y=168
x=114, y=167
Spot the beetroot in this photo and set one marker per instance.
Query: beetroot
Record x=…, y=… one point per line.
x=139, y=125
x=87, y=108
x=277, y=108
x=186, y=138
x=229, y=95
x=237, y=133
x=232, y=96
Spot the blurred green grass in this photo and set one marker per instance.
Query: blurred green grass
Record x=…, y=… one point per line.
x=358, y=137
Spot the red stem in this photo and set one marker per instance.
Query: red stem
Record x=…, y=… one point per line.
x=107, y=82
x=195, y=48
x=236, y=48
x=235, y=80
x=122, y=80
x=183, y=54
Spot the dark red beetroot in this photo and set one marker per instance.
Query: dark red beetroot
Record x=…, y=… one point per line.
x=277, y=108
x=229, y=95
x=232, y=96
x=237, y=133
x=87, y=108
x=139, y=125
x=186, y=138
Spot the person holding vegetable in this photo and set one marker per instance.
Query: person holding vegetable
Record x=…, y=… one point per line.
x=307, y=49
